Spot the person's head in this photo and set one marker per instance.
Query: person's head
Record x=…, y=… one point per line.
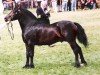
x=39, y=4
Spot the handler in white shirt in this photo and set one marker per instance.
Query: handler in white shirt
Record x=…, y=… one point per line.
x=17, y=1
x=2, y=22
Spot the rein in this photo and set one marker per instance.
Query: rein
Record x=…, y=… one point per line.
x=10, y=31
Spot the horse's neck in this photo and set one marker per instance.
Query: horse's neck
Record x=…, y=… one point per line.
x=26, y=22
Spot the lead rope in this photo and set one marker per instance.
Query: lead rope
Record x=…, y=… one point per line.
x=10, y=31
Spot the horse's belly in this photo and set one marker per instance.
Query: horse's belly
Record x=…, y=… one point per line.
x=47, y=41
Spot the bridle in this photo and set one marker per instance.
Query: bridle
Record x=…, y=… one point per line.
x=10, y=29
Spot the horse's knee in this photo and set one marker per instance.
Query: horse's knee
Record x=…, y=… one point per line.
x=29, y=54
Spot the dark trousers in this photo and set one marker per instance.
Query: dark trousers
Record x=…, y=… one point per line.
x=68, y=6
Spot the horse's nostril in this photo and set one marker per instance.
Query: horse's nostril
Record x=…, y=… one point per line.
x=5, y=19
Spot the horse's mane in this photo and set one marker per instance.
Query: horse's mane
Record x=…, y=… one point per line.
x=27, y=12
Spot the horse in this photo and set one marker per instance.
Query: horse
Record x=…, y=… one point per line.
x=36, y=33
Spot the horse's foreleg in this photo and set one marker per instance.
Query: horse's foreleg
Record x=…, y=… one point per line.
x=75, y=50
x=29, y=57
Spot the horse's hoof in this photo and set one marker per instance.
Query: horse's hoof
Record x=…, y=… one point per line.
x=26, y=66
x=85, y=63
x=77, y=65
x=32, y=66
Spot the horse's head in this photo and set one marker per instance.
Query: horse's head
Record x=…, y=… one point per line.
x=18, y=13
x=14, y=14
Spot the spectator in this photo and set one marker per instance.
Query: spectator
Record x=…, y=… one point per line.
x=59, y=5
x=39, y=9
x=22, y=3
x=64, y=5
x=38, y=2
x=54, y=5
x=2, y=22
x=89, y=4
x=94, y=4
x=97, y=3
x=41, y=15
x=8, y=4
x=44, y=5
x=5, y=4
x=17, y=1
x=82, y=2
x=73, y=5
x=69, y=5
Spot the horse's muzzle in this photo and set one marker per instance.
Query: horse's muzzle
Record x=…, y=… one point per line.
x=5, y=19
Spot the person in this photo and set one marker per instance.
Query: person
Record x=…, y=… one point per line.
x=64, y=5
x=44, y=5
x=42, y=15
x=2, y=22
x=1, y=15
x=1, y=7
x=94, y=4
x=39, y=10
x=54, y=5
x=22, y=3
x=59, y=5
x=89, y=4
x=73, y=5
x=8, y=4
x=69, y=5
x=17, y=1
x=82, y=2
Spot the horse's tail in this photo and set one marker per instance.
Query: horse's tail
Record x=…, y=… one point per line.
x=81, y=36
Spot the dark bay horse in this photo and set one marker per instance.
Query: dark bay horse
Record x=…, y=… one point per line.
x=36, y=33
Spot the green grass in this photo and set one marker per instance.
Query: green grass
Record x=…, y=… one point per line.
x=57, y=60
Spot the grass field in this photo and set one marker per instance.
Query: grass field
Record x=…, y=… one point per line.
x=57, y=60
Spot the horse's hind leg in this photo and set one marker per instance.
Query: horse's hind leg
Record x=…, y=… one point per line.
x=31, y=54
x=75, y=50
x=78, y=52
x=81, y=56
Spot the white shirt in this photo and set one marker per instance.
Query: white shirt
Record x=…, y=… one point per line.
x=17, y=1
x=0, y=1
x=38, y=0
x=44, y=4
x=1, y=7
x=2, y=25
